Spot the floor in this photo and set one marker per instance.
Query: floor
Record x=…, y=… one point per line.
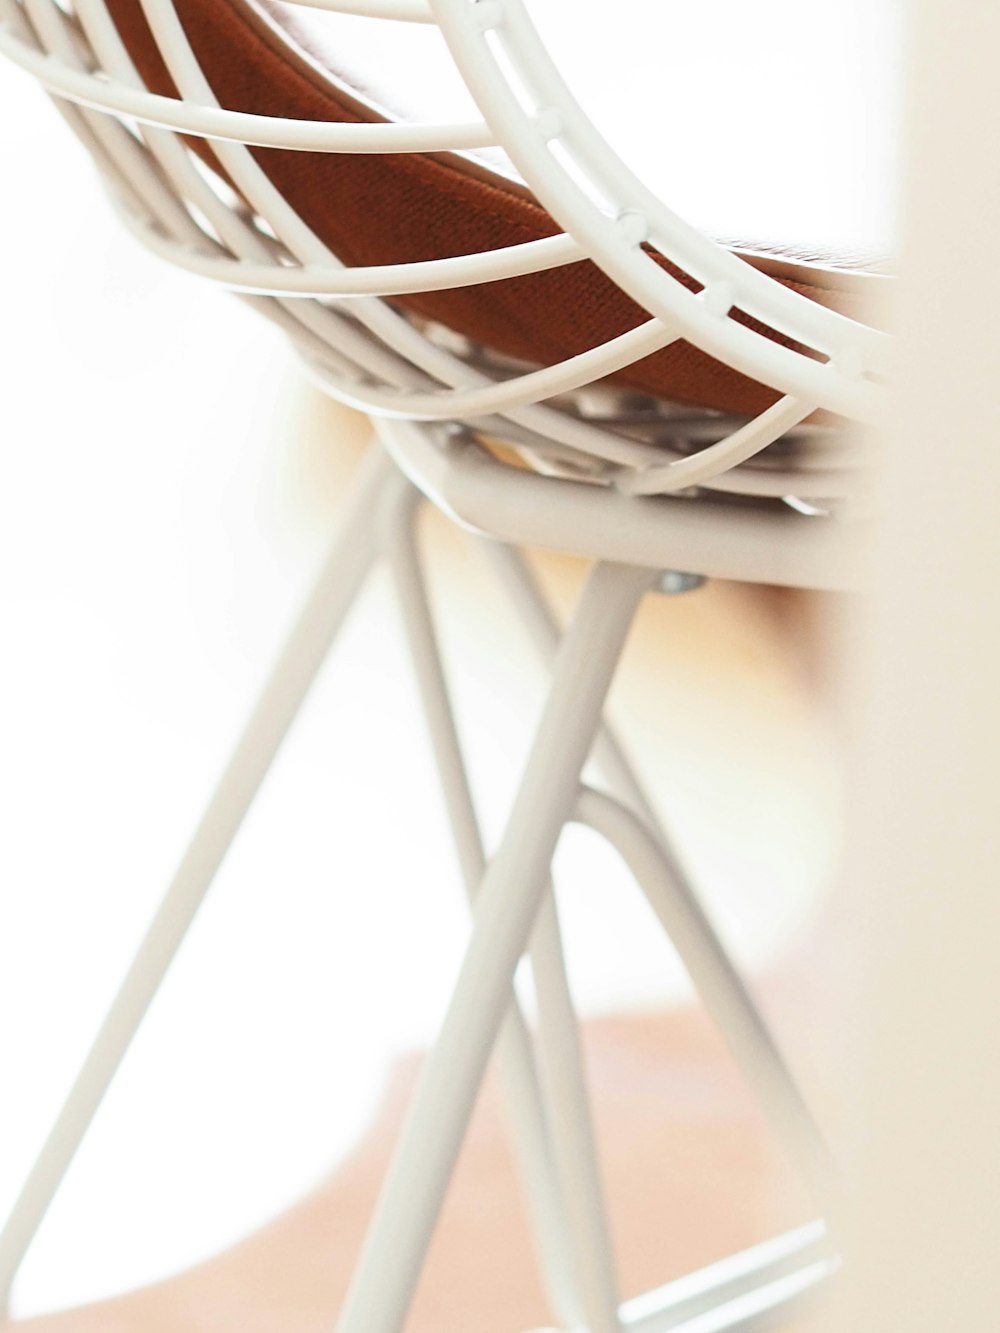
x=169, y=484
x=690, y=1173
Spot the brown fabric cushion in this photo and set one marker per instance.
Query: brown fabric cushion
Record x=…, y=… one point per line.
x=382, y=209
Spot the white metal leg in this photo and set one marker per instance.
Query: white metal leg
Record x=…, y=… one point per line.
x=522, y=590
x=734, y=1294
x=530, y=1137
x=586, y=1293
x=505, y=911
x=718, y=984
x=676, y=898
x=342, y=574
x=574, y=1144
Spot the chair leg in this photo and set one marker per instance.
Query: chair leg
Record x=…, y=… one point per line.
x=508, y=902
x=629, y=822
x=351, y=556
x=529, y=1131
x=735, y=1294
x=627, y=819
x=523, y=592
x=574, y=1143
x=720, y=988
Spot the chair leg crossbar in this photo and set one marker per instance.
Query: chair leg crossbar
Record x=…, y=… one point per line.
x=514, y=914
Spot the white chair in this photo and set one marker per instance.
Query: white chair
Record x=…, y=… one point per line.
x=684, y=409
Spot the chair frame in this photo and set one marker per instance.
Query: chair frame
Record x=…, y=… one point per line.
x=543, y=1080
x=635, y=505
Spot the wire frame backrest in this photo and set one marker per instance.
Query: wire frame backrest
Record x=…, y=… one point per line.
x=244, y=234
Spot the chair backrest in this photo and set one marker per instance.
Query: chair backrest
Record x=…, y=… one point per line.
x=233, y=225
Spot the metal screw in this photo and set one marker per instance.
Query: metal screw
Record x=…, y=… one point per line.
x=673, y=581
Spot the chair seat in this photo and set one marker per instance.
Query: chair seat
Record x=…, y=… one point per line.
x=783, y=158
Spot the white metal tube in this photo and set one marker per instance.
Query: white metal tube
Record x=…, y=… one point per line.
x=423, y=275
x=530, y=1135
x=719, y=986
x=613, y=214
x=109, y=142
x=705, y=536
x=505, y=911
x=404, y=11
x=767, y=1307
x=718, y=1284
x=573, y=1138
x=340, y=577
x=521, y=390
x=213, y=122
x=692, y=1296
x=324, y=330
x=736, y=448
x=527, y=597
x=548, y=425
x=304, y=321
x=521, y=586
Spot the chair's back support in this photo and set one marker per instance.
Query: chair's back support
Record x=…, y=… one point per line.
x=231, y=223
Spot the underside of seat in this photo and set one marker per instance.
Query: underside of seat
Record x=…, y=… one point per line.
x=377, y=209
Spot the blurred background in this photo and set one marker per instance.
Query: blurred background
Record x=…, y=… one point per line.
x=169, y=484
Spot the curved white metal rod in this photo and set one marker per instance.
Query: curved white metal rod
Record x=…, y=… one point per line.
x=547, y=424
x=617, y=452
x=729, y=281
x=307, y=280
x=208, y=122
x=548, y=430
x=736, y=448
x=642, y=471
x=528, y=426
x=406, y=11
x=715, y=1299
x=718, y=984
x=615, y=240
x=367, y=280
x=521, y=391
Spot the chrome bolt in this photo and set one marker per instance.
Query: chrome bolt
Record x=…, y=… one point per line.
x=673, y=581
